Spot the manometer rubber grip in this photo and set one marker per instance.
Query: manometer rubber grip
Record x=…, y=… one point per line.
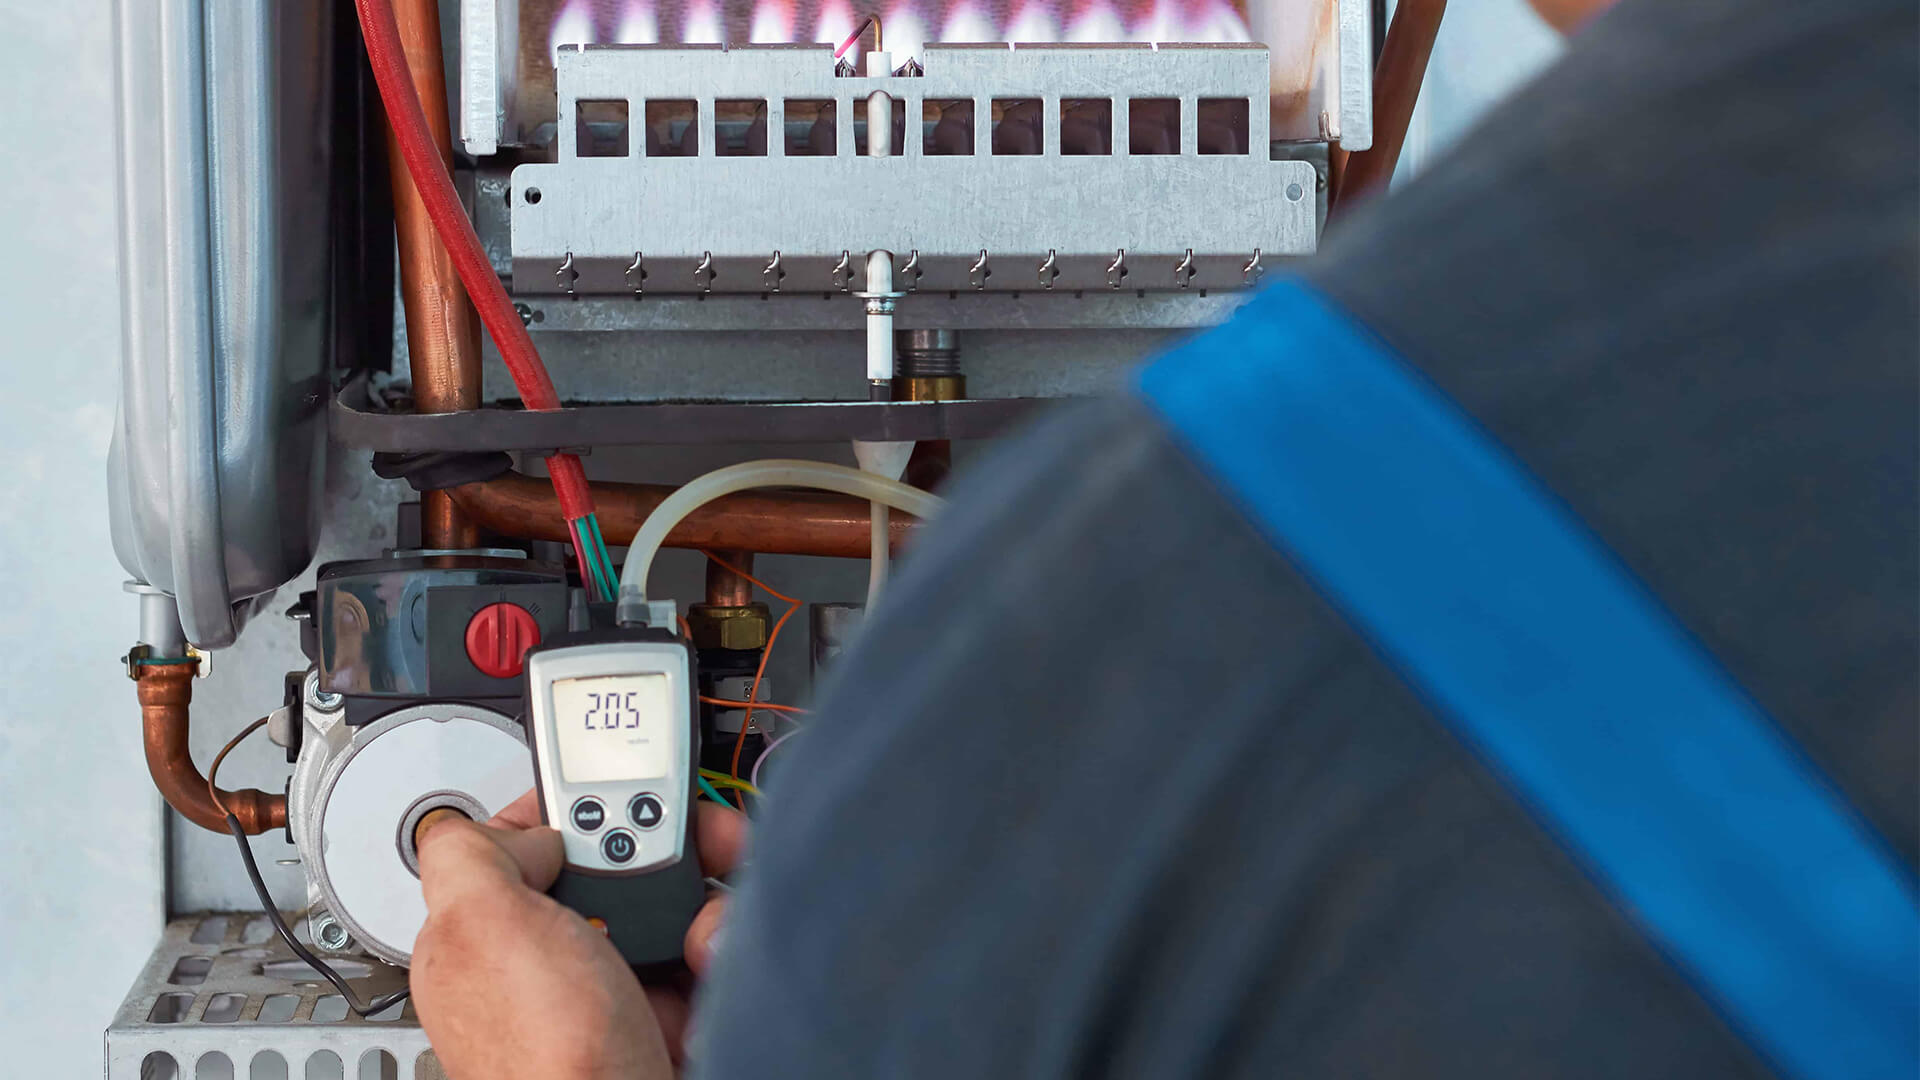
x=646, y=915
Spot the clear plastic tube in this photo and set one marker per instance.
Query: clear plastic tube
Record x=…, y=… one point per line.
x=774, y=472
x=879, y=552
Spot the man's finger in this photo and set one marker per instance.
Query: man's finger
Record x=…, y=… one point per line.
x=521, y=813
x=670, y=1010
x=459, y=859
x=703, y=935
x=722, y=837
x=539, y=853
x=458, y=856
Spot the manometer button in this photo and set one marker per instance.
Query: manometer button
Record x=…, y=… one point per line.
x=646, y=811
x=498, y=636
x=618, y=846
x=589, y=815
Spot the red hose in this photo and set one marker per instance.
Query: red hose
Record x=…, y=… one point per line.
x=431, y=177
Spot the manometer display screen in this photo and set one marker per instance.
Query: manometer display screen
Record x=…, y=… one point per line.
x=614, y=727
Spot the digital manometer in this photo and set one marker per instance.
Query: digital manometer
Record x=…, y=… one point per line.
x=611, y=719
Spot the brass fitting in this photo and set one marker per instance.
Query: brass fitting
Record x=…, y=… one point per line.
x=740, y=628
x=930, y=388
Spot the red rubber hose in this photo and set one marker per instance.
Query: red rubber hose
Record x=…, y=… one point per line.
x=430, y=176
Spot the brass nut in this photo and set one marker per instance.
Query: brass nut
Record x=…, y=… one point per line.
x=740, y=628
x=930, y=388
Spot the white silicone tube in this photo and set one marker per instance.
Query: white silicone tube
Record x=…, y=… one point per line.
x=775, y=472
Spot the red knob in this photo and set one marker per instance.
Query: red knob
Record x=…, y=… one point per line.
x=498, y=636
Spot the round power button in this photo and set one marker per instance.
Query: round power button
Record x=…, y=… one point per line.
x=498, y=636
x=618, y=847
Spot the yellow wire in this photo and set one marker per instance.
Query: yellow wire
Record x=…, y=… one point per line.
x=720, y=779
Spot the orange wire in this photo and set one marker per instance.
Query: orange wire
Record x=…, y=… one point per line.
x=753, y=692
x=727, y=703
x=770, y=590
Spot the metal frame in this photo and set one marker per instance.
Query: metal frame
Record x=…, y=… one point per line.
x=1351, y=120
x=247, y=972
x=1035, y=310
x=355, y=425
x=978, y=222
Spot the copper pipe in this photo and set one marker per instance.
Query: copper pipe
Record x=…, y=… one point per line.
x=779, y=523
x=443, y=526
x=1396, y=89
x=443, y=335
x=165, y=690
x=726, y=588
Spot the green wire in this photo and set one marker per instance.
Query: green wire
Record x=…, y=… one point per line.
x=711, y=792
x=724, y=780
x=605, y=556
x=596, y=546
x=601, y=585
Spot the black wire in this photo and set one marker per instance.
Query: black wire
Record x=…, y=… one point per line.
x=385, y=1001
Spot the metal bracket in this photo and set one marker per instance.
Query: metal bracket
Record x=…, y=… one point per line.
x=566, y=275
x=909, y=273
x=979, y=272
x=355, y=423
x=771, y=273
x=1252, y=272
x=1117, y=269
x=636, y=275
x=843, y=271
x=1183, y=270
x=1049, y=269
x=704, y=274
x=141, y=656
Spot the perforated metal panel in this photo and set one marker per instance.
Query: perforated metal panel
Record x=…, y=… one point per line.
x=222, y=998
x=1182, y=217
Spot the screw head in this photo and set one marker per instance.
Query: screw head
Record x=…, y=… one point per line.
x=329, y=934
x=317, y=698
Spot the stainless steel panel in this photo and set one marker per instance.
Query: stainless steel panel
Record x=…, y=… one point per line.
x=220, y=984
x=224, y=136
x=978, y=222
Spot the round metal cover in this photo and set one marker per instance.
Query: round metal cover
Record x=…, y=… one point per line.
x=459, y=755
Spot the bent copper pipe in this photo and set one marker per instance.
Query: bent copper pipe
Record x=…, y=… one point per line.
x=1396, y=89
x=443, y=332
x=165, y=690
x=770, y=522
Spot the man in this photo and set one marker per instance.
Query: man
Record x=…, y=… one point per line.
x=1491, y=655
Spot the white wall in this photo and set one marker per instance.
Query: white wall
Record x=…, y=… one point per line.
x=80, y=847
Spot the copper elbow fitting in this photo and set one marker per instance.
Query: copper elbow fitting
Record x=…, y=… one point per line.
x=165, y=691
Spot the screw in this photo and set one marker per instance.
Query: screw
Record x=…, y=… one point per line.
x=526, y=313
x=323, y=700
x=327, y=933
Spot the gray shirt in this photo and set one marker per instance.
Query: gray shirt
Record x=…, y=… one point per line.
x=1107, y=789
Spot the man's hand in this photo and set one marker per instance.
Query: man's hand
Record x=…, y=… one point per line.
x=509, y=983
